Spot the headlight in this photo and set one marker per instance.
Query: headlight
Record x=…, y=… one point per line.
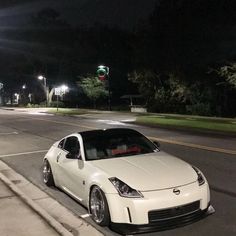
x=125, y=190
x=200, y=177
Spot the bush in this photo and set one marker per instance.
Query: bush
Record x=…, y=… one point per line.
x=54, y=104
x=30, y=105
x=202, y=109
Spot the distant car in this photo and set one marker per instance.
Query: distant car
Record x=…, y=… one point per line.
x=126, y=182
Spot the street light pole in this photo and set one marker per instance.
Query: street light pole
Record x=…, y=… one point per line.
x=57, y=101
x=104, y=73
x=41, y=77
x=1, y=97
x=109, y=89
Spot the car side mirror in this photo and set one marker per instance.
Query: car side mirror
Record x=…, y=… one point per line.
x=157, y=144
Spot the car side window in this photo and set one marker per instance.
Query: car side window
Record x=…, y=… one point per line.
x=72, y=145
x=61, y=144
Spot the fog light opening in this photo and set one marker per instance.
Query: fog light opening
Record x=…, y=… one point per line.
x=130, y=219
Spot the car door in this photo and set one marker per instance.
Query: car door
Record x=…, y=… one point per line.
x=70, y=168
x=55, y=153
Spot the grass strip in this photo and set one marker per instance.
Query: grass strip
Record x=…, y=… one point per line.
x=200, y=123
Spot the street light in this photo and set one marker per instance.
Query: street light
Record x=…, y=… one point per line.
x=41, y=77
x=60, y=91
x=17, y=97
x=64, y=89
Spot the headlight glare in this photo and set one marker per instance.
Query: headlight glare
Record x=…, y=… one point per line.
x=125, y=190
x=200, y=178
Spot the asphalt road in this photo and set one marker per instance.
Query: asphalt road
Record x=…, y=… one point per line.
x=25, y=137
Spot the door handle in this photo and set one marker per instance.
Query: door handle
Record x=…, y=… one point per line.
x=58, y=156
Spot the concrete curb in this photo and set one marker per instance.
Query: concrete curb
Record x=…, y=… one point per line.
x=49, y=219
x=60, y=218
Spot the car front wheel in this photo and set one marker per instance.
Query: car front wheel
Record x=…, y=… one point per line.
x=47, y=174
x=98, y=207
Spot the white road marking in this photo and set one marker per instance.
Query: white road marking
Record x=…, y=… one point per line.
x=9, y=133
x=113, y=122
x=85, y=216
x=40, y=114
x=23, y=153
x=129, y=120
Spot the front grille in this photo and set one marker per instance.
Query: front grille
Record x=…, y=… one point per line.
x=164, y=219
x=175, y=212
x=160, y=225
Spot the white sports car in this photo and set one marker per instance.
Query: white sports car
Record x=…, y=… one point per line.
x=126, y=182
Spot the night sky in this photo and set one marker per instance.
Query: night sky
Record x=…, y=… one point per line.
x=22, y=56
x=122, y=13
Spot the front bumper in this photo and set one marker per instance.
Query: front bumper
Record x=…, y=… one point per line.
x=162, y=225
x=133, y=215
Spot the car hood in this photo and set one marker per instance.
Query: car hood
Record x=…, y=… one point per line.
x=148, y=172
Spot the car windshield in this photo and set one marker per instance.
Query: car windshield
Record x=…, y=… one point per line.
x=103, y=144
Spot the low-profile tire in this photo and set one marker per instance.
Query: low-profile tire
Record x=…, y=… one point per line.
x=98, y=207
x=47, y=174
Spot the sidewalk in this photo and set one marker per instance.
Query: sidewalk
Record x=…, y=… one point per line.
x=26, y=210
x=16, y=218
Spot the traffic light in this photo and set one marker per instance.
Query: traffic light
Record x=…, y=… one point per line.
x=102, y=72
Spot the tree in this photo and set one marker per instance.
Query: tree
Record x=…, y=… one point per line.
x=93, y=88
x=148, y=83
x=163, y=92
x=49, y=18
x=228, y=72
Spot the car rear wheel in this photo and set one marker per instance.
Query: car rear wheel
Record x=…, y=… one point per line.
x=47, y=174
x=98, y=207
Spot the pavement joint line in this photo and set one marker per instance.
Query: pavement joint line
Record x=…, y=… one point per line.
x=40, y=211
x=9, y=196
x=39, y=198
x=23, y=153
x=213, y=149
